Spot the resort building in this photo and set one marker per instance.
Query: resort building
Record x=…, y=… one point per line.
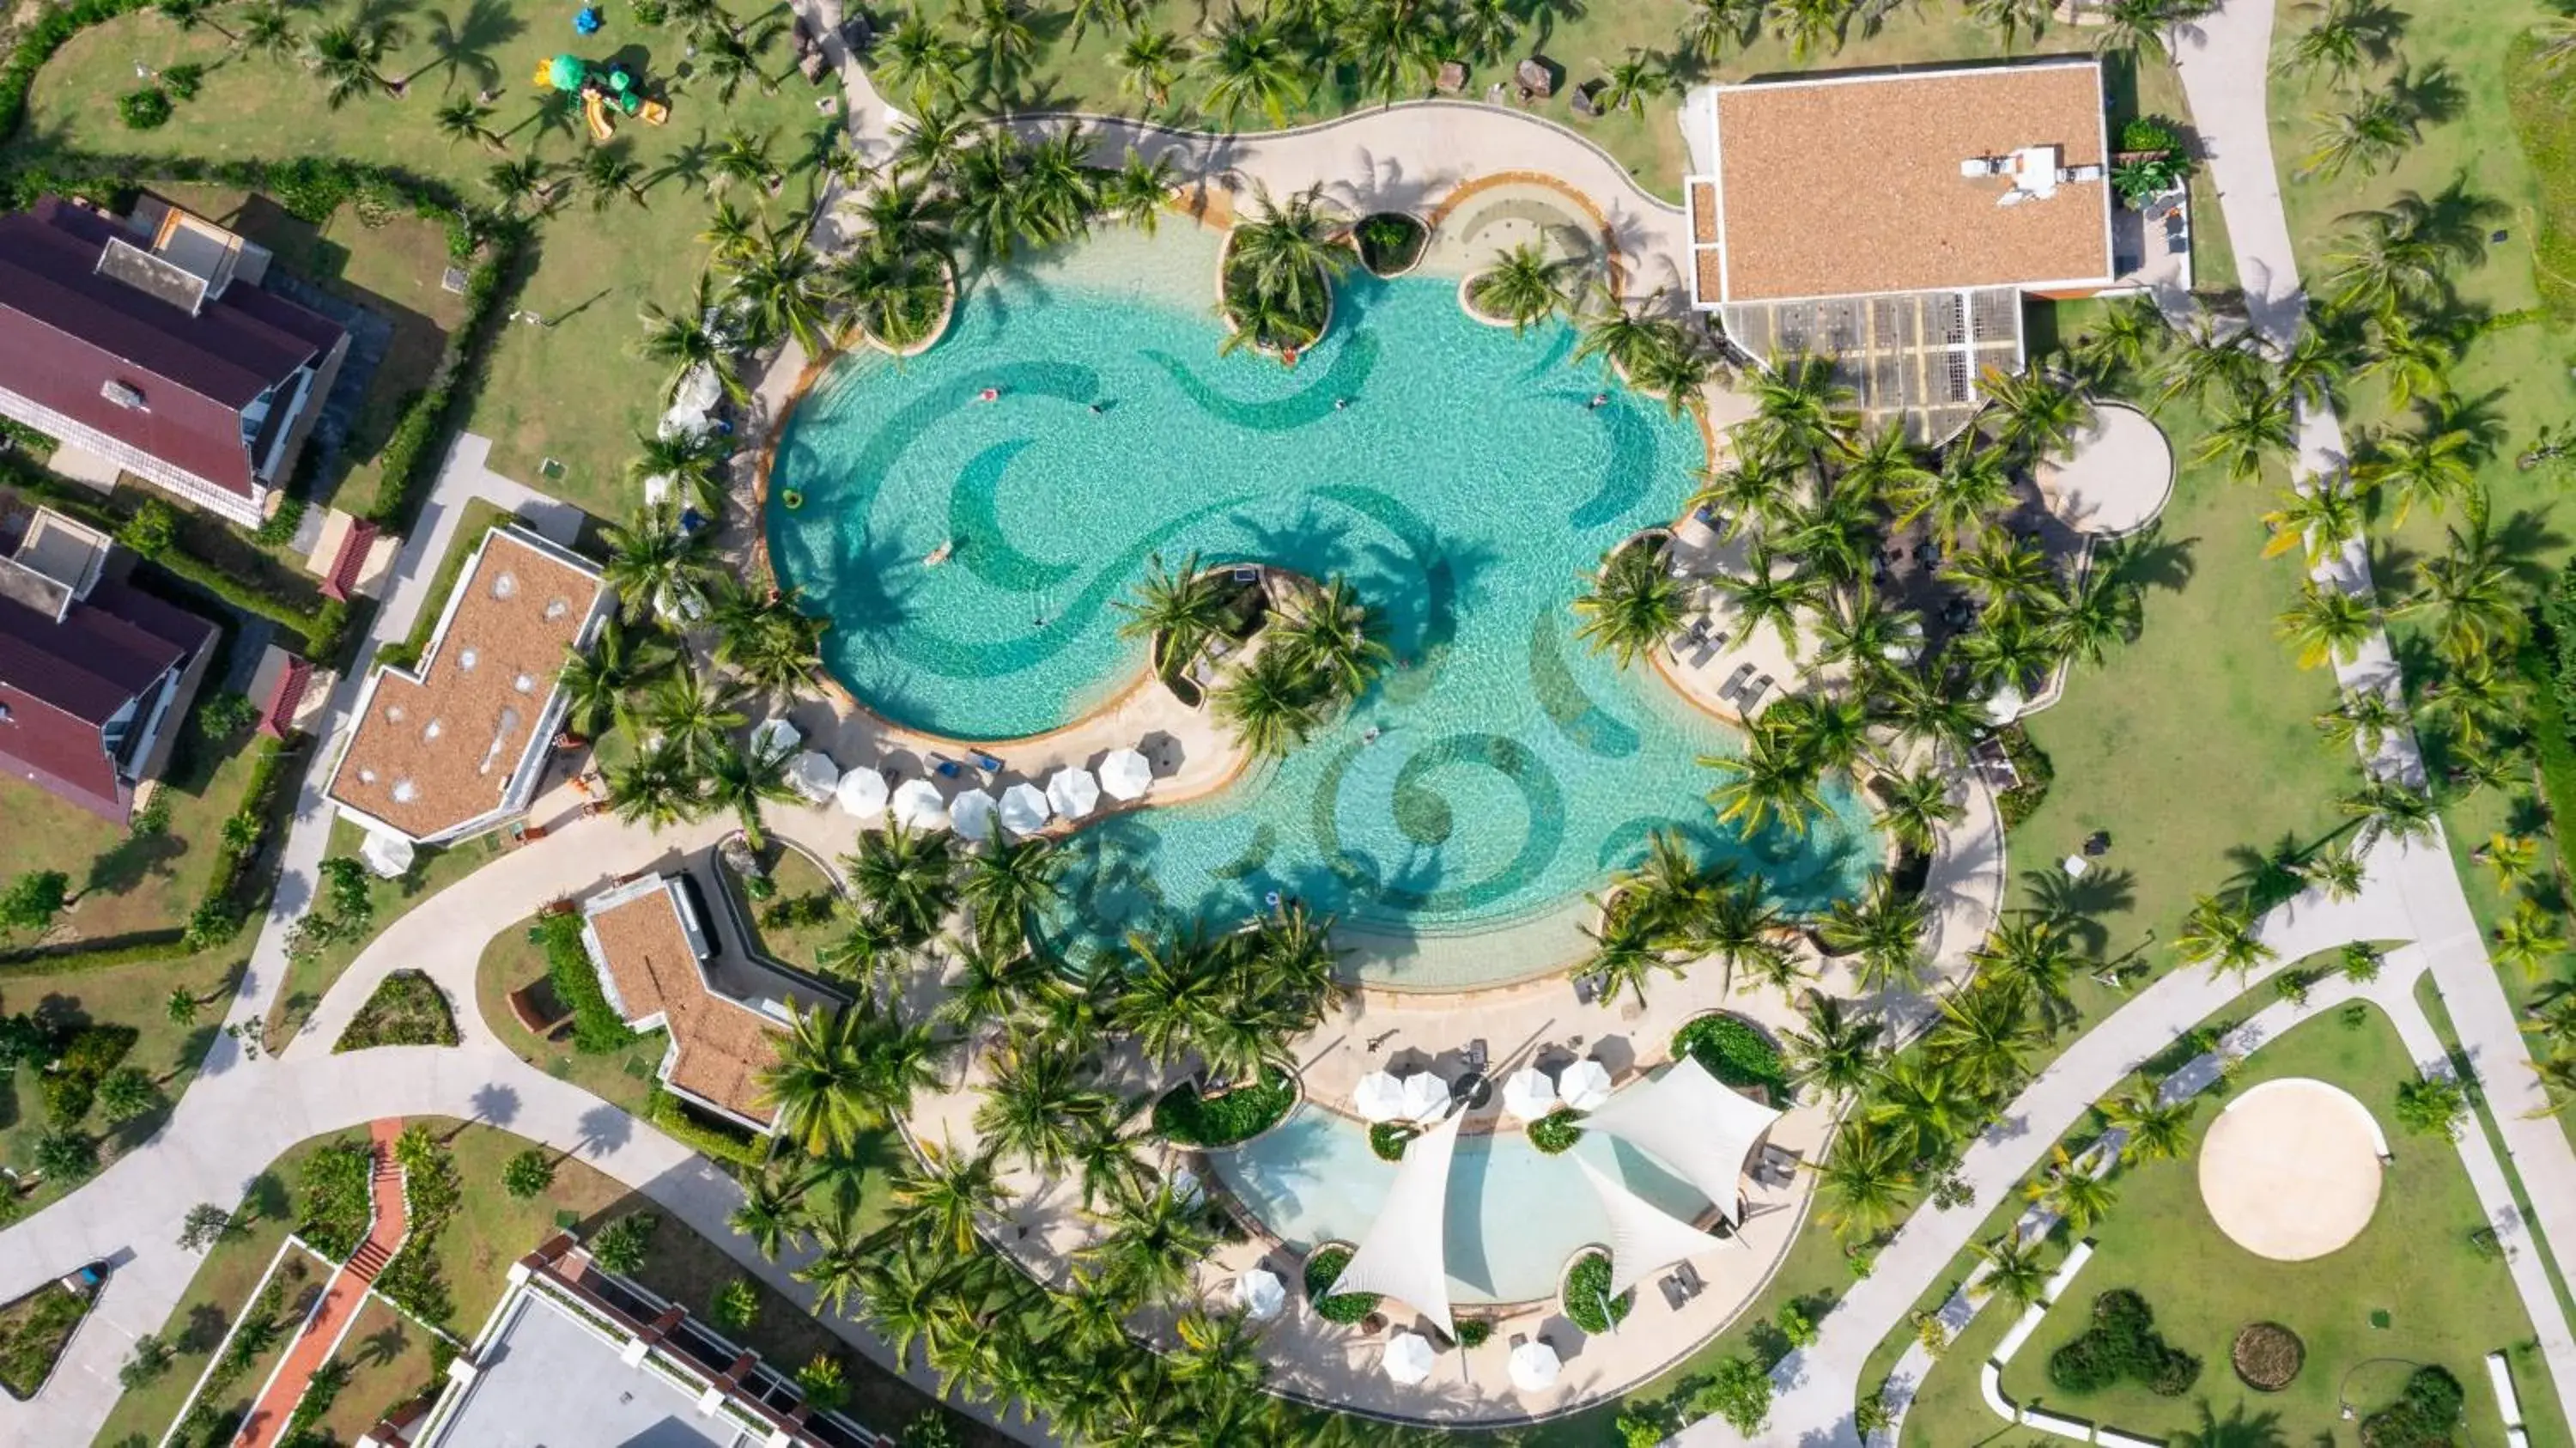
x=147, y=346
x=576, y=1355
x=1896, y=220
x=649, y=940
x=455, y=745
x=93, y=672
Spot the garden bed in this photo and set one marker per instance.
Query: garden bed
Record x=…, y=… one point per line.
x=1585, y=1294
x=407, y=1009
x=1323, y=1265
x=1736, y=1052
x=34, y=1330
x=1391, y=243
x=1229, y=1119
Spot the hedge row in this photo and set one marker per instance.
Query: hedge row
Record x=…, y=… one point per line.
x=232, y=893
x=597, y=1028
x=410, y=459
x=694, y=1130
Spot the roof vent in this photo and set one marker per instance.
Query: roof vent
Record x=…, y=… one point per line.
x=405, y=791
x=366, y=776
x=431, y=731
x=525, y=683
x=505, y=585
x=393, y=713
x=466, y=659
x=123, y=394
x=557, y=607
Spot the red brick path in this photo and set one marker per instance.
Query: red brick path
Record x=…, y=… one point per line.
x=341, y=1298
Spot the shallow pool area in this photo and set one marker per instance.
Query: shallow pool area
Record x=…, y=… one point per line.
x=1515, y=1215
x=1459, y=476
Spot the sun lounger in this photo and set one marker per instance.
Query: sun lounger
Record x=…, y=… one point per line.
x=1734, y=681
x=1752, y=694
x=1690, y=1278
x=1676, y=1296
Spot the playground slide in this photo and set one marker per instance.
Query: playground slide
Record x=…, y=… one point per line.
x=595, y=111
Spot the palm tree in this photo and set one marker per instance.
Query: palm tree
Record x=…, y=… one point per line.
x=1390, y=45
x=1914, y=807
x=938, y=1198
x=689, y=465
x=1330, y=633
x=781, y=287
x=2526, y=939
x=2328, y=624
x=2312, y=368
x=2033, y=955
x=1716, y=25
x=657, y=787
x=1139, y=189
x=2384, y=808
x=1830, y=1049
x=2412, y=362
x=1634, y=603
x=992, y=984
x=2371, y=133
x=1971, y=486
x=2151, y=1128
x=906, y=877
x=2076, y=1196
x=2346, y=36
x=2221, y=935
x=1623, y=956
x=1149, y=63
x=2250, y=427
x=1882, y=930
x=2429, y=463
x=2122, y=339
x=467, y=119
x=1676, y=372
x=1623, y=338
x=599, y=684
x=610, y=173
x=2470, y=592
x=2337, y=874
x=895, y=295
x=744, y=777
x=2213, y=359
x=839, y=1265
x=1288, y=252
x=2318, y=521
x=924, y=65
x=346, y=56
x=1004, y=42
x=655, y=566
x=1928, y=1101
x=694, y=714
x=1008, y=886
x=1865, y=1182
x=2013, y=1271
x=772, y=645
x=1182, y=609
x=268, y=28
x=1035, y=1104
x=820, y=1082
x=2513, y=858
x=1253, y=63
x=1764, y=786
x=1764, y=593
x=2364, y=720
x=870, y=951
x=1524, y=286
x=2037, y=415
x=694, y=337
x=1269, y=703
x=1630, y=83
x=768, y=1211
x=1153, y=1243
x=1983, y=1035
x=522, y=180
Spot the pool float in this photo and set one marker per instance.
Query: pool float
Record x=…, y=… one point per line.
x=792, y=498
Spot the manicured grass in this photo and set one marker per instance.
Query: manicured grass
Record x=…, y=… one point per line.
x=129, y=995
x=2446, y=1304
x=33, y=1332
x=624, y=1079
x=392, y=1364
x=573, y=389
x=308, y=979
x=408, y=1009
x=780, y=929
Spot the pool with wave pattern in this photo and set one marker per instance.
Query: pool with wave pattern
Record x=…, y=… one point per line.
x=1466, y=488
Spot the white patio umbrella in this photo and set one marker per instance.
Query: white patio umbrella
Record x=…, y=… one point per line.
x=1408, y=1357
x=1426, y=1097
x=1024, y=809
x=1378, y=1097
x=1529, y=1094
x=814, y=775
x=390, y=856
x=971, y=813
x=917, y=805
x=775, y=736
x=1126, y=774
x=862, y=792
x=1260, y=1294
x=1534, y=1366
x=1585, y=1085
x=1073, y=792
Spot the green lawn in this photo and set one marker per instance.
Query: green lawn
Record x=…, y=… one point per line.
x=572, y=389
x=310, y=978
x=391, y=1365
x=2445, y=1303
x=624, y=1079
x=782, y=933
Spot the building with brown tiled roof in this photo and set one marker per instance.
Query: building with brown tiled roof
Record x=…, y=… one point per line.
x=1896, y=220
x=454, y=746
x=650, y=942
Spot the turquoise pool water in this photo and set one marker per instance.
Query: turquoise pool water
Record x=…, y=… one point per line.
x=1465, y=490
x=1514, y=1214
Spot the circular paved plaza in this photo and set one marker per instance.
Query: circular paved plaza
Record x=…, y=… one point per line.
x=2116, y=477
x=2291, y=1169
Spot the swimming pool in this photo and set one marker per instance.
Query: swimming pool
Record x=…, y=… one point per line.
x=1466, y=490
x=1514, y=1214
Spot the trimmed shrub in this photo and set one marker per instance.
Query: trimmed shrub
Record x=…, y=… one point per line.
x=1388, y=1138
x=1734, y=1051
x=1474, y=1332
x=144, y=110
x=1321, y=1268
x=1390, y=241
x=1183, y=1115
x=2267, y=1356
x=336, y=1204
x=2422, y=1417
x=1556, y=1132
x=597, y=1029
x=1586, y=1286
x=2122, y=1345
x=703, y=1133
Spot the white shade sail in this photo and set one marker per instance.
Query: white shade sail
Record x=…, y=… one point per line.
x=972, y=814
x=1534, y=1365
x=1405, y=1255
x=1407, y=1358
x=1426, y=1097
x=1126, y=774
x=1528, y=1093
x=775, y=736
x=1260, y=1294
x=1073, y=792
x=1585, y=1085
x=1644, y=1238
x=1024, y=809
x=862, y=792
x=1379, y=1096
x=1688, y=1120
x=814, y=776
x=917, y=805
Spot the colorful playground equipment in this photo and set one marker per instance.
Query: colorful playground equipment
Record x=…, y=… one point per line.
x=602, y=89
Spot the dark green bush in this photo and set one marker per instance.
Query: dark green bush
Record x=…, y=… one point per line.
x=1321, y=1268
x=144, y=110
x=1735, y=1052
x=1587, y=1283
x=2023, y=800
x=700, y=1132
x=2424, y=1416
x=597, y=1029
x=2149, y=133
x=1183, y=1115
x=2122, y=1345
x=1388, y=1138
x=184, y=81
x=1557, y=1131
x=335, y=1183
x=1474, y=1332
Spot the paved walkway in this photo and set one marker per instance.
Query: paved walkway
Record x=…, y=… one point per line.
x=341, y=1300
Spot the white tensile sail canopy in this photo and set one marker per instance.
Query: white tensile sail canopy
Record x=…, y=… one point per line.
x=1644, y=1238
x=1690, y=1122
x=1405, y=1255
